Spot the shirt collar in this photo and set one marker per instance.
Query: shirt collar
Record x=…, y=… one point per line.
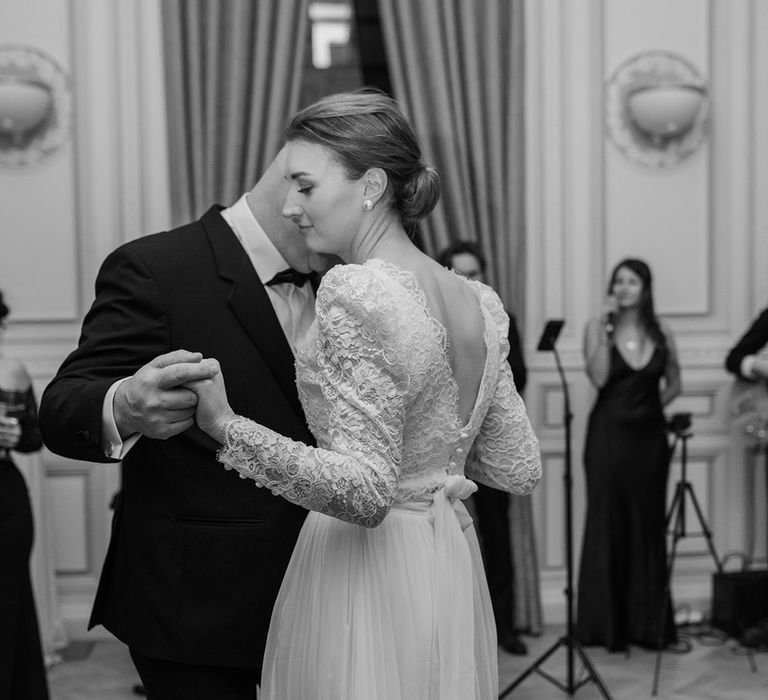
x=264, y=256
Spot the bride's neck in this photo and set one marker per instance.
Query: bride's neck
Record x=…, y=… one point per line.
x=385, y=239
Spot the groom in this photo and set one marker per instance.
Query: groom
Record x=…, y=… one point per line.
x=196, y=556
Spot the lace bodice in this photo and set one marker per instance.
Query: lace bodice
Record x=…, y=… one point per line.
x=380, y=398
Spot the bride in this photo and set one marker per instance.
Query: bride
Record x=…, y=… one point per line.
x=405, y=385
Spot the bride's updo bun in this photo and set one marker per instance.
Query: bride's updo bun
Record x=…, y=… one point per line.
x=420, y=194
x=365, y=129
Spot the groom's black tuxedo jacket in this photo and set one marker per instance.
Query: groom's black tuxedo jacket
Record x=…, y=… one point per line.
x=197, y=554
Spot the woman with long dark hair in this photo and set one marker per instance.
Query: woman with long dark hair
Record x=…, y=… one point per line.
x=630, y=358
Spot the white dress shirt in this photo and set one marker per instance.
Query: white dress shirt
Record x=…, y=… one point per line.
x=294, y=307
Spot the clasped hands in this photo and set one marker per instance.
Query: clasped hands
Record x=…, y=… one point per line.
x=169, y=394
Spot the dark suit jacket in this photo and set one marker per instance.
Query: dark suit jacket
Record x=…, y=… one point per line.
x=750, y=343
x=196, y=555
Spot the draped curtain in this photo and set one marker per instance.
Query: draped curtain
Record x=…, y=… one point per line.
x=233, y=74
x=456, y=67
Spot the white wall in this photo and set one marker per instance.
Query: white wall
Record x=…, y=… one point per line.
x=61, y=217
x=701, y=226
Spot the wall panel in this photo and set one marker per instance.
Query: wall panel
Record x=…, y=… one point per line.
x=68, y=504
x=38, y=267
x=660, y=215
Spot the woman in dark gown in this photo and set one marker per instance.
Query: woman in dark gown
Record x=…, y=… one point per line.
x=630, y=357
x=22, y=673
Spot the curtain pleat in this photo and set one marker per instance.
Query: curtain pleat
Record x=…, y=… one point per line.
x=233, y=74
x=457, y=68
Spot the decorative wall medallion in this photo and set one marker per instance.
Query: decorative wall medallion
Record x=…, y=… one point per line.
x=656, y=109
x=35, y=106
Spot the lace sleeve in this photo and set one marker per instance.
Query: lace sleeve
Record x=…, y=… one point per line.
x=505, y=454
x=355, y=404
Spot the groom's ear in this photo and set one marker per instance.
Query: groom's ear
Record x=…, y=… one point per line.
x=375, y=185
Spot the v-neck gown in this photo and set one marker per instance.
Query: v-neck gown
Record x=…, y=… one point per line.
x=623, y=561
x=385, y=596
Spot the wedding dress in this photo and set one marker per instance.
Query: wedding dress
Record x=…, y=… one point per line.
x=385, y=597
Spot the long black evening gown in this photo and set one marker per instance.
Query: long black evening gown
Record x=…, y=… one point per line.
x=22, y=673
x=623, y=560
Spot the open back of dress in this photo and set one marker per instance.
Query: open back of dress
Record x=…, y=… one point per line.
x=399, y=608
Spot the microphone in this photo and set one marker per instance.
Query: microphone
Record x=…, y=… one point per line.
x=610, y=315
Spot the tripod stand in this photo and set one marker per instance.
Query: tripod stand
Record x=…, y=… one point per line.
x=680, y=426
x=568, y=640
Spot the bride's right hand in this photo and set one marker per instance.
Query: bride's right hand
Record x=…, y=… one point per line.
x=213, y=409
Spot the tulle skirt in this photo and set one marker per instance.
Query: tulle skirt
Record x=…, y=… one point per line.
x=398, y=612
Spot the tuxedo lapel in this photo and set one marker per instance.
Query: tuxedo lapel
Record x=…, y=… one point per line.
x=251, y=305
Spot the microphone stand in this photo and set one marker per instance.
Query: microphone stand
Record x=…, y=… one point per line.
x=568, y=640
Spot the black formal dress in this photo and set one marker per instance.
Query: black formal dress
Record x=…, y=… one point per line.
x=623, y=560
x=22, y=673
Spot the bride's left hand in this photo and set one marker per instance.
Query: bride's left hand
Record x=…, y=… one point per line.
x=213, y=409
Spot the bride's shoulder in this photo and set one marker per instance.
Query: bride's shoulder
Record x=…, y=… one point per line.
x=490, y=301
x=366, y=302
x=370, y=285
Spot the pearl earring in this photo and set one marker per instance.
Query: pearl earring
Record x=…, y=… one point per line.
x=367, y=205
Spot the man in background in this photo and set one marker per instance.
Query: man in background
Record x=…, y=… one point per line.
x=747, y=361
x=492, y=505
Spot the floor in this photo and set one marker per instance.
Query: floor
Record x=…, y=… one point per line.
x=713, y=669
x=705, y=667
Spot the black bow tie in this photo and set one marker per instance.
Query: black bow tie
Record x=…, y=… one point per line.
x=291, y=276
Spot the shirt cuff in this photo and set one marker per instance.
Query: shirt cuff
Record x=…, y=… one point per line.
x=111, y=442
x=747, y=367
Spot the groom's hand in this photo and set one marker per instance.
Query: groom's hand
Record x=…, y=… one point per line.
x=153, y=401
